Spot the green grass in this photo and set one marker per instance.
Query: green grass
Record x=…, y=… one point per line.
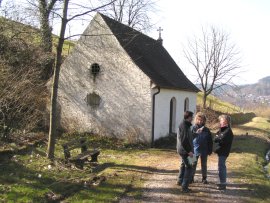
x=247, y=158
x=259, y=127
x=27, y=178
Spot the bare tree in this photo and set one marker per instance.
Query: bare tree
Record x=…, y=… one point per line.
x=214, y=58
x=26, y=12
x=53, y=105
x=45, y=9
x=19, y=12
x=134, y=13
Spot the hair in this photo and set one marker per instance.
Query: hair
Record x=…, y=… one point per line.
x=201, y=115
x=225, y=117
x=188, y=114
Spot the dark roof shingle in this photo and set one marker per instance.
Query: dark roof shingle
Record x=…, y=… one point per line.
x=150, y=56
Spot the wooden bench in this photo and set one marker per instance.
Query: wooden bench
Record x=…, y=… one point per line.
x=83, y=156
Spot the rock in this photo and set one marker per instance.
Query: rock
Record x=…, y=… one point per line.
x=52, y=197
x=267, y=157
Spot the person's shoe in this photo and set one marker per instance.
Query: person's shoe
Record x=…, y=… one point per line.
x=179, y=183
x=204, y=181
x=221, y=187
x=186, y=190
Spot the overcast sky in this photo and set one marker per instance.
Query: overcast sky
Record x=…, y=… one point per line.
x=247, y=22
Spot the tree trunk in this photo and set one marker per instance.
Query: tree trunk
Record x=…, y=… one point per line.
x=46, y=34
x=204, y=100
x=53, y=112
x=46, y=38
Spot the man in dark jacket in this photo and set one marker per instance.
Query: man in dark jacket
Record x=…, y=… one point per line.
x=203, y=144
x=185, y=150
x=223, y=140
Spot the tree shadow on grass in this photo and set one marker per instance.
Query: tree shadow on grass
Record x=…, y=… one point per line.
x=251, y=190
x=249, y=129
x=250, y=144
x=21, y=181
x=245, y=189
x=135, y=168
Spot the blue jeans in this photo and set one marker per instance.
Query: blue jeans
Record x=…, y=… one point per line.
x=185, y=172
x=222, y=170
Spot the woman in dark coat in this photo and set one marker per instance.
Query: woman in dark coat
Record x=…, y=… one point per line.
x=203, y=144
x=223, y=139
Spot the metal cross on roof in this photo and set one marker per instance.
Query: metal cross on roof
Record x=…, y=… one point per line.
x=159, y=30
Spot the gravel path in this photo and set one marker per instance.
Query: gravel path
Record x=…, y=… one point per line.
x=160, y=186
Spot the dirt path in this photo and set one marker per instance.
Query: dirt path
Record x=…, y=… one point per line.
x=160, y=186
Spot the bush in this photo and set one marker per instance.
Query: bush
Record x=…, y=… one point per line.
x=22, y=91
x=241, y=118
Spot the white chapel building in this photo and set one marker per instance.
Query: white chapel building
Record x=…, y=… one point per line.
x=120, y=82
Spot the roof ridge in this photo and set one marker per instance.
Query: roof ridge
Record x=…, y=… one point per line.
x=122, y=24
x=150, y=56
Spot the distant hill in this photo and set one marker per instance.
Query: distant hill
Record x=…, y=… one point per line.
x=246, y=95
x=261, y=88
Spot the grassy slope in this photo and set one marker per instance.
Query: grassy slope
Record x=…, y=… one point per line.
x=218, y=105
x=30, y=34
x=247, y=158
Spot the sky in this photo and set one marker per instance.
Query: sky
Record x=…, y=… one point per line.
x=247, y=22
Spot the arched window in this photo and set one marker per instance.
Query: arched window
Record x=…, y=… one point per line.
x=186, y=105
x=172, y=115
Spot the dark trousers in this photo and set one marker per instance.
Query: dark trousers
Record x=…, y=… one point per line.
x=203, y=166
x=185, y=172
x=222, y=169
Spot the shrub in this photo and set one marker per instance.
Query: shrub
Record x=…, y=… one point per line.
x=22, y=91
x=240, y=118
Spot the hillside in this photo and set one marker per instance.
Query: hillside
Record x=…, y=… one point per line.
x=218, y=105
x=30, y=34
x=248, y=96
x=258, y=92
x=23, y=77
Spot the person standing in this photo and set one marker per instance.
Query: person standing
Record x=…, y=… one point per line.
x=223, y=139
x=203, y=145
x=185, y=149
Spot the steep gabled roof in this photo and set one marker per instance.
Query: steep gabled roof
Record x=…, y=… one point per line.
x=150, y=56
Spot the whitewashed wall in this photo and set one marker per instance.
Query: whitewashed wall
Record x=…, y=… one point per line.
x=162, y=109
x=126, y=96
x=124, y=89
